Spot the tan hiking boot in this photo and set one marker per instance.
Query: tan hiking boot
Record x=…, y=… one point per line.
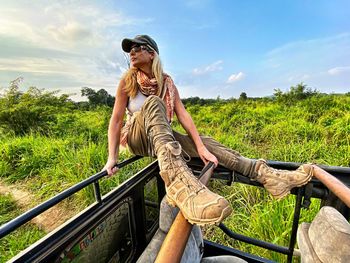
x=198, y=204
x=280, y=182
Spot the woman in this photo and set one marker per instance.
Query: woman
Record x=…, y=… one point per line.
x=151, y=99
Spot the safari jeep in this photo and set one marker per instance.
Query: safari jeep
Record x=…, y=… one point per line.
x=127, y=224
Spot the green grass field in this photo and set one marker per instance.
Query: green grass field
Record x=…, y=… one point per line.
x=70, y=144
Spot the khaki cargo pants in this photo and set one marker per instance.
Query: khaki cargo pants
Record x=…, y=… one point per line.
x=140, y=144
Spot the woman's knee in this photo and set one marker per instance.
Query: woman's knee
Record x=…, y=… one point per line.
x=153, y=101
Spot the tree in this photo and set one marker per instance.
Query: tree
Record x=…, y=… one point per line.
x=243, y=96
x=101, y=97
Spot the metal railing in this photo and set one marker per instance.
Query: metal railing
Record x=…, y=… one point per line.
x=330, y=182
x=27, y=216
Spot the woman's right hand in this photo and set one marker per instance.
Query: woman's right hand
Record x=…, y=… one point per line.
x=109, y=167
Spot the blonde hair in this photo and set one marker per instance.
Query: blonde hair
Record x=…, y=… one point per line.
x=130, y=78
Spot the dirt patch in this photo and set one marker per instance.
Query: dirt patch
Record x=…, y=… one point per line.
x=47, y=221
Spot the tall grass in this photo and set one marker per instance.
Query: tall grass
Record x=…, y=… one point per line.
x=313, y=130
x=75, y=146
x=20, y=238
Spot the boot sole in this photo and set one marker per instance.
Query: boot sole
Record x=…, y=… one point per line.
x=202, y=222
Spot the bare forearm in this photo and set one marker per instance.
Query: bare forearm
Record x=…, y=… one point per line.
x=186, y=121
x=191, y=129
x=115, y=127
x=114, y=131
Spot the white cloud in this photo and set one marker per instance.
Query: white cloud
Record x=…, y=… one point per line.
x=311, y=61
x=315, y=54
x=63, y=45
x=71, y=31
x=338, y=70
x=235, y=77
x=299, y=77
x=332, y=41
x=216, y=66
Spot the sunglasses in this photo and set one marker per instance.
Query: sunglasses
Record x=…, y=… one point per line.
x=138, y=48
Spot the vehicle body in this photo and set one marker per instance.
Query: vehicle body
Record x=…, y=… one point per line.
x=119, y=225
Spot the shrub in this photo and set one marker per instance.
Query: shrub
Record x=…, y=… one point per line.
x=33, y=110
x=296, y=93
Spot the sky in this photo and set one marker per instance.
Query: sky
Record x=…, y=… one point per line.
x=210, y=48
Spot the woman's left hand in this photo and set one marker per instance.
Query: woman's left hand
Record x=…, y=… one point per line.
x=207, y=156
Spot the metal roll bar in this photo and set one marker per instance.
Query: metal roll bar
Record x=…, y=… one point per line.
x=27, y=216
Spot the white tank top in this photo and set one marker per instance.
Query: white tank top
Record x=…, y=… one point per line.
x=135, y=104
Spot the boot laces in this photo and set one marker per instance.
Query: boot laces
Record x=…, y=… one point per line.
x=177, y=163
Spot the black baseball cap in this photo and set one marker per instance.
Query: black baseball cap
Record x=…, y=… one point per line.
x=141, y=40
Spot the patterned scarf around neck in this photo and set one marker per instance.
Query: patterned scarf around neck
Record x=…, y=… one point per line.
x=167, y=92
